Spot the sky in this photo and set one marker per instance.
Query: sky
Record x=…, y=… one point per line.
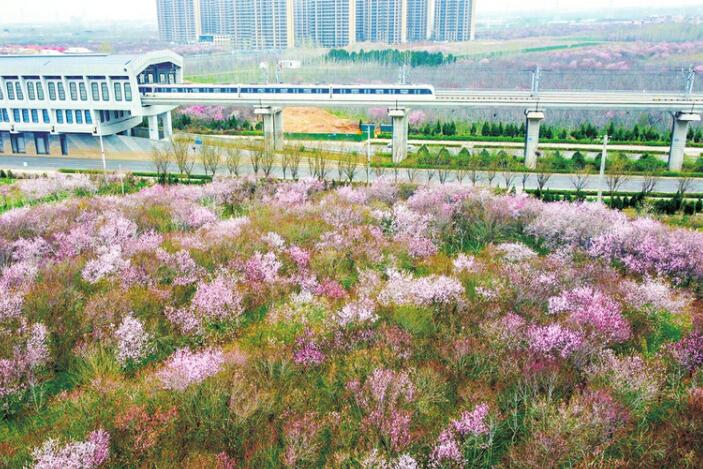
x=37, y=11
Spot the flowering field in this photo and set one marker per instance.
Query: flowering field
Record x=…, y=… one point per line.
x=257, y=324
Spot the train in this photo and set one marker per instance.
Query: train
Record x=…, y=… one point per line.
x=370, y=92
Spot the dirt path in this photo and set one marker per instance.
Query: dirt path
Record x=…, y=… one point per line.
x=314, y=120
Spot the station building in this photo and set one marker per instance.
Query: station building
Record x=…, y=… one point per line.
x=61, y=104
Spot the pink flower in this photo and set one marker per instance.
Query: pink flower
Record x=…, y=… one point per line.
x=217, y=299
x=464, y=264
x=383, y=398
x=331, y=289
x=37, y=348
x=553, y=341
x=184, y=368
x=446, y=451
x=357, y=312
x=689, y=351
x=109, y=262
x=307, y=352
x=402, y=289
x=132, y=340
x=472, y=423
x=88, y=454
x=420, y=246
x=262, y=268
x=597, y=313
x=300, y=256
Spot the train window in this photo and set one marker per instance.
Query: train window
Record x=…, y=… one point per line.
x=18, y=91
x=40, y=91
x=30, y=91
x=127, y=92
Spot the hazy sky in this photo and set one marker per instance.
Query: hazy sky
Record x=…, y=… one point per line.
x=14, y=11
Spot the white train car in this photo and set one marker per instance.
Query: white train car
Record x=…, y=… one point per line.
x=283, y=92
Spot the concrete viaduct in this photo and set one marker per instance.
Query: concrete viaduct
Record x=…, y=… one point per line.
x=268, y=101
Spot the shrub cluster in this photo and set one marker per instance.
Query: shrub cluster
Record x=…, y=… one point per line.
x=247, y=323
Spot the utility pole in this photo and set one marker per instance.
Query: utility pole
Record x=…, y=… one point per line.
x=536, y=76
x=603, y=156
x=690, y=80
x=102, y=148
x=368, y=153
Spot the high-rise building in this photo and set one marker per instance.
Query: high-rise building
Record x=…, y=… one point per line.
x=454, y=20
x=418, y=20
x=382, y=21
x=280, y=24
x=327, y=23
x=179, y=20
x=262, y=24
x=217, y=17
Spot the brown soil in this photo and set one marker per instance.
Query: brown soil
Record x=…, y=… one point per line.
x=314, y=120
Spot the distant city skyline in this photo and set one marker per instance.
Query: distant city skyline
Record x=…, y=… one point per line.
x=50, y=11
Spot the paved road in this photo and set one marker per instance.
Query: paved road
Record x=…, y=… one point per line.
x=557, y=181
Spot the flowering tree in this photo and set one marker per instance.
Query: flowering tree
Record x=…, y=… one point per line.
x=132, y=341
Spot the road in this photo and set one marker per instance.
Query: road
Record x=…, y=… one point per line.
x=557, y=181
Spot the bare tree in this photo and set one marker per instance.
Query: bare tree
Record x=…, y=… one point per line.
x=267, y=160
x=323, y=165
x=256, y=156
x=180, y=149
x=443, y=174
x=378, y=171
x=683, y=185
x=431, y=172
x=507, y=172
x=616, y=177
x=296, y=157
x=544, y=174
x=580, y=180
x=509, y=178
x=318, y=164
x=474, y=164
x=347, y=166
x=161, y=159
x=410, y=171
x=491, y=173
x=233, y=160
x=286, y=159
x=460, y=175
x=210, y=157
x=649, y=183
x=523, y=179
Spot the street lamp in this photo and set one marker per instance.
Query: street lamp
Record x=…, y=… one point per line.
x=368, y=152
x=102, y=149
x=603, y=156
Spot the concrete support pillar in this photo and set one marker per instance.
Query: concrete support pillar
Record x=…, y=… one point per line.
x=533, y=121
x=153, y=127
x=399, y=117
x=167, y=124
x=273, y=127
x=679, y=134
